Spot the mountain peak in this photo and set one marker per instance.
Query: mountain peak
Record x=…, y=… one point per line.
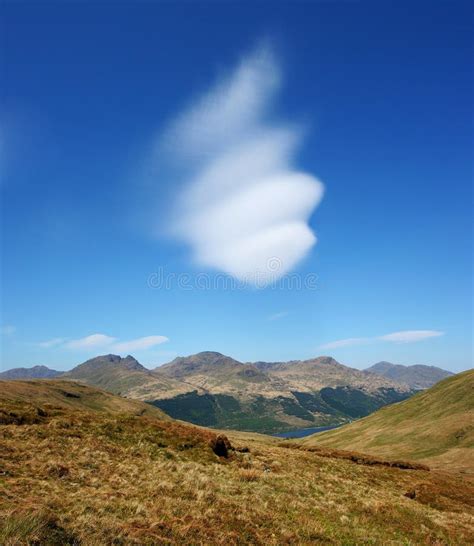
x=213, y=368
x=204, y=358
x=326, y=360
x=210, y=355
x=110, y=360
x=111, y=372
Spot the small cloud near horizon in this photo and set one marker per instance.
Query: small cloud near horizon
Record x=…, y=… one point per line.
x=406, y=336
x=52, y=342
x=139, y=344
x=88, y=342
x=97, y=341
x=411, y=336
x=345, y=343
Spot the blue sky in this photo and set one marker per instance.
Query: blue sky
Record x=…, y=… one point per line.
x=325, y=146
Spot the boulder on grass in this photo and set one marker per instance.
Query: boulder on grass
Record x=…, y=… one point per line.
x=220, y=444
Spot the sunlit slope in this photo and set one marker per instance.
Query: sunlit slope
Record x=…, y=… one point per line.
x=126, y=377
x=82, y=467
x=436, y=426
x=31, y=401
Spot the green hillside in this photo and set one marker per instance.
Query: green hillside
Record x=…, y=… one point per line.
x=436, y=426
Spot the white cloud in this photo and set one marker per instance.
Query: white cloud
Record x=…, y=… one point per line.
x=100, y=341
x=345, y=342
x=90, y=342
x=406, y=336
x=244, y=206
x=278, y=316
x=8, y=330
x=139, y=344
x=410, y=336
x=52, y=342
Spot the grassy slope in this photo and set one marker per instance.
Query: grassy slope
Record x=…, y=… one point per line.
x=81, y=475
x=436, y=425
x=56, y=396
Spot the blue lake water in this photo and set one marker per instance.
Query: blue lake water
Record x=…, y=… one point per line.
x=302, y=432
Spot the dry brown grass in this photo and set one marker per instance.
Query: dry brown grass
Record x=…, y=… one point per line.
x=249, y=475
x=96, y=478
x=357, y=457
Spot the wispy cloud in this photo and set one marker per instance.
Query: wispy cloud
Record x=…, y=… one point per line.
x=346, y=342
x=244, y=205
x=139, y=344
x=409, y=336
x=92, y=341
x=278, y=316
x=103, y=341
x=52, y=342
x=406, y=336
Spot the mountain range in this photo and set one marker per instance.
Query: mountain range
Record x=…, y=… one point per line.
x=417, y=376
x=212, y=389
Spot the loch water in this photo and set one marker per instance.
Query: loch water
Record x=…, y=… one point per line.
x=302, y=432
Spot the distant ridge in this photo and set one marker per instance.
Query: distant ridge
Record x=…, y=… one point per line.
x=418, y=376
x=325, y=371
x=35, y=372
